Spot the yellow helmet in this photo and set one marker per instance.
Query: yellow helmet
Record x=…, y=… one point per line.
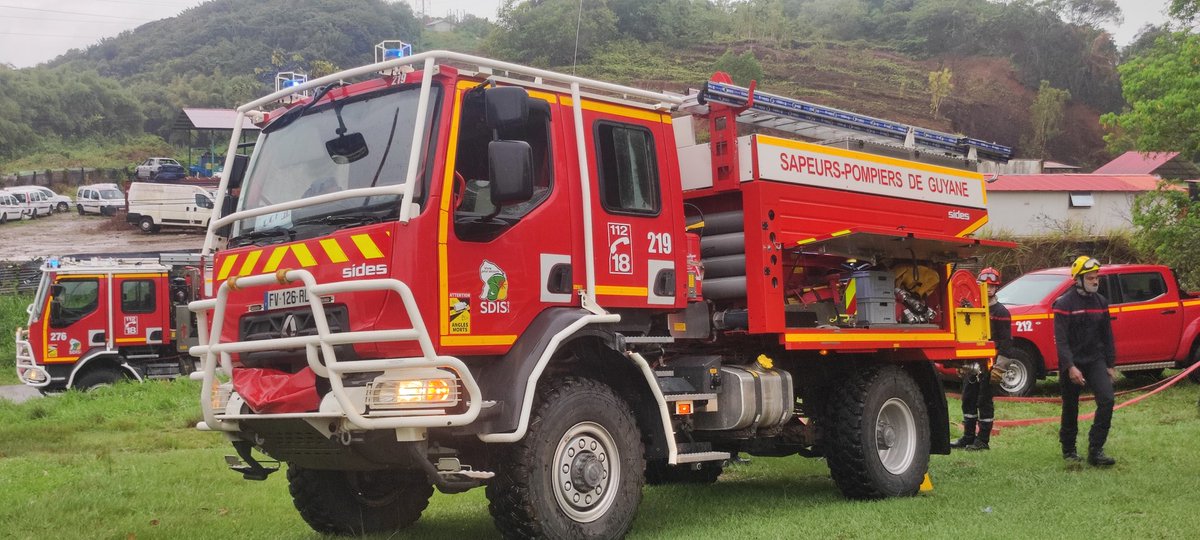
x=1083, y=265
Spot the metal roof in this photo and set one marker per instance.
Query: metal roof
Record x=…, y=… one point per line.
x=1074, y=182
x=1164, y=164
x=190, y=119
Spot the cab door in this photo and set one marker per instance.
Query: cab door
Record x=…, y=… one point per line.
x=1148, y=325
x=77, y=319
x=637, y=232
x=503, y=263
x=140, y=315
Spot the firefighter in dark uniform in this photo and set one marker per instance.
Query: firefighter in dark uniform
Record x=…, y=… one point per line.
x=977, y=406
x=1084, y=339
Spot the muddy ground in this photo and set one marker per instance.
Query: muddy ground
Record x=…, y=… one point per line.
x=69, y=233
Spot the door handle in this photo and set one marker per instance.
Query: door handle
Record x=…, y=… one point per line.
x=1169, y=312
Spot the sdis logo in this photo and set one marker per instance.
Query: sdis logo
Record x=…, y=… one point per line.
x=365, y=270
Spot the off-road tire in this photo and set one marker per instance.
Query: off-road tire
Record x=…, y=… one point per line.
x=1021, y=376
x=358, y=502
x=98, y=378
x=868, y=405
x=659, y=473
x=533, y=492
x=146, y=224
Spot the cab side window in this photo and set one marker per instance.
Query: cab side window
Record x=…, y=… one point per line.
x=1141, y=287
x=74, y=300
x=628, y=169
x=137, y=296
x=476, y=217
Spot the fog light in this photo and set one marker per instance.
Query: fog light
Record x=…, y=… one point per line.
x=220, y=396
x=409, y=389
x=33, y=375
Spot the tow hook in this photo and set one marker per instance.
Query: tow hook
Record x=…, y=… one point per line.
x=244, y=462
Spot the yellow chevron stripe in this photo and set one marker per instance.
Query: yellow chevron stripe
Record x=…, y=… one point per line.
x=251, y=261
x=367, y=246
x=275, y=258
x=334, y=251
x=227, y=267
x=303, y=255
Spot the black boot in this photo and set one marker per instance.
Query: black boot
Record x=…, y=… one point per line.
x=1070, y=454
x=968, y=437
x=1098, y=458
x=983, y=438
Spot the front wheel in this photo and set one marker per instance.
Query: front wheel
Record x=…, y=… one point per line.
x=147, y=225
x=63, y=207
x=80, y=208
x=1021, y=376
x=358, y=502
x=578, y=473
x=97, y=379
x=876, y=434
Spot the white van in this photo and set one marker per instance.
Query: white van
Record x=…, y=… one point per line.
x=153, y=205
x=10, y=208
x=33, y=200
x=59, y=203
x=103, y=199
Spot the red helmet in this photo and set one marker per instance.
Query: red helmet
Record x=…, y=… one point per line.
x=990, y=275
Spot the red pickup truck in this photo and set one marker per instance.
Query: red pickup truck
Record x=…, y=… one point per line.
x=1155, y=322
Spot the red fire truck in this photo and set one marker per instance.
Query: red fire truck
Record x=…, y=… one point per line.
x=95, y=321
x=449, y=271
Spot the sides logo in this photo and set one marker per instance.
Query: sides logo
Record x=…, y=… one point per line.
x=494, y=295
x=958, y=214
x=364, y=270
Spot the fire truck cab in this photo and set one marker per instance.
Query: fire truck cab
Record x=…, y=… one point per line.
x=450, y=271
x=95, y=321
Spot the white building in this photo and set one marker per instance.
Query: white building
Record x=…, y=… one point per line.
x=1033, y=204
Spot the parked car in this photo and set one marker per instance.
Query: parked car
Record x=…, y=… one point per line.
x=59, y=203
x=33, y=200
x=10, y=208
x=103, y=199
x=149, y=168
x=167, y=172
x=153, y=205
x=1156, y=324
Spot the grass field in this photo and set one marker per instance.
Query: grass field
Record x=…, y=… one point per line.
x=126, y=463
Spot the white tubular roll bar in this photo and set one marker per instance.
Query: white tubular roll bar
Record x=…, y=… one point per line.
x=211, y=350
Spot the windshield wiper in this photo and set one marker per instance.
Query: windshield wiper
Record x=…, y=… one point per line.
x=250, y=237
x=343, y=219
x=291, y=115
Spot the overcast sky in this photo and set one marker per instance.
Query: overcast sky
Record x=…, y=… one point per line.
x=34, y=31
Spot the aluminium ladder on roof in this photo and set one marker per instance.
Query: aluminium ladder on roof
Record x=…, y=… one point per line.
x=820, y=122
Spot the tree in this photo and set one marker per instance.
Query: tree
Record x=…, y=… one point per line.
x=1094, y=13
x=1160, y=88
x=742, y=69
x=939, y=88
x=1166, y=223
x=1184, y=10
x=544, y=32
x=1045, y=118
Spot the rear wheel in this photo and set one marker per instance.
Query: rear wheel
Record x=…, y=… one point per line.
x=1021, y=375
x=578, y=471
x=1195, y=375
x=876, y=434
x=358, y=502
x=1144, y=376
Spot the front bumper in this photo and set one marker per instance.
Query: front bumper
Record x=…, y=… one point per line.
x=27, y=369
x=345, y=408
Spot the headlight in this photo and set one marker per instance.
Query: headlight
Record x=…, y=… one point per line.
x=416, y=388
x=221, y=392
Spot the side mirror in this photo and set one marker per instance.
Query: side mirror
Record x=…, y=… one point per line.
x=506, y=107
x=239, y=171
x=510, y=168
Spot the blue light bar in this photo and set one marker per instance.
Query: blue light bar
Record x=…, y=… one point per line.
x=394, y=53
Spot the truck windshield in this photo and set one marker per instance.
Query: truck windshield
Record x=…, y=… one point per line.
x=294, y=162
x=1029, y=289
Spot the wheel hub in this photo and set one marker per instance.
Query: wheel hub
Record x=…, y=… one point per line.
x=586, y=471
x=886, y=435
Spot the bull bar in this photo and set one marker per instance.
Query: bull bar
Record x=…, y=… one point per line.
x=26, y=365
x=212, y=351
